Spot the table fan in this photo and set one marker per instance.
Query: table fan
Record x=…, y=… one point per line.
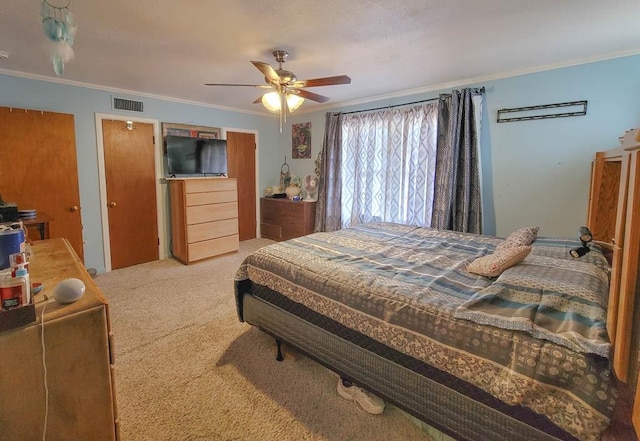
x=310, y=185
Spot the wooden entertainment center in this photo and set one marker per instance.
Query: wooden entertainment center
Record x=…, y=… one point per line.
x=204, y=217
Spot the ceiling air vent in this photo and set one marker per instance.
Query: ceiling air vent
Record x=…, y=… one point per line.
x=123, y=104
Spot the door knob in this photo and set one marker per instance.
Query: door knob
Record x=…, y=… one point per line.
x=112, y=204
x=74, y=208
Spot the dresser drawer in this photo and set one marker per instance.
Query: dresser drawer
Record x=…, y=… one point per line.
x=211, y=230
x=213, y=247
x=271, y=231
x=292, y=214
x=207, y=213
x=269, y=214
x=204, y=185
x=211, y=197
x=289, y=231
x=273, y=210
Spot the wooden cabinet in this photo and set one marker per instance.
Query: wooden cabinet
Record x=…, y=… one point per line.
x=204, y=217
x=614, y=198
x=283, y=219
x=73, y=341
x=604, y=194
x=613, y=208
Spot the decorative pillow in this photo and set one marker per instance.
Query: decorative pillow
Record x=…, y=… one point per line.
x=492, y=265
x=519, y=238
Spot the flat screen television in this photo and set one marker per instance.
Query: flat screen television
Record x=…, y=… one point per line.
x=196, y=156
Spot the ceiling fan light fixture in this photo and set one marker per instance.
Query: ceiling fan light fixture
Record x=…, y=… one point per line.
x=271, y=101
x=294, y=102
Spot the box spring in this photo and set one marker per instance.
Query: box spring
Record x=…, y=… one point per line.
x=433, y=402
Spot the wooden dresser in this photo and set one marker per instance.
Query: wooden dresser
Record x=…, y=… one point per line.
x=78, y=355
x=204, y=217
x=283, y=219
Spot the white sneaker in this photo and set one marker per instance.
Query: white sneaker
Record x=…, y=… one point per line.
x=364, y=399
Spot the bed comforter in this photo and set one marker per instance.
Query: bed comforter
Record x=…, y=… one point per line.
x=408, y=289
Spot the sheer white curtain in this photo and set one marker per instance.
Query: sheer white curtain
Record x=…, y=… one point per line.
x=388, y=165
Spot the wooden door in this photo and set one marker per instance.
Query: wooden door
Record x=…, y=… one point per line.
x=39, y=169
x=131, y=193
x=241, y=161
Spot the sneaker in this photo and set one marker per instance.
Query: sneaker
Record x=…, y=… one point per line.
x=364, y=399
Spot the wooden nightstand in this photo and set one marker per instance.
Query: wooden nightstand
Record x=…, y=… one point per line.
x=283, y=219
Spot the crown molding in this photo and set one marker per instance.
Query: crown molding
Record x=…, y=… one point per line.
x=67, y=82
x=475, y=80
x=335, y=105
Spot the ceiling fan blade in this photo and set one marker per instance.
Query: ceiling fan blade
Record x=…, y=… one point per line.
x=262, y=86
x=312, y=96
x=267, y=71
x=327, y=81
x=258, y=100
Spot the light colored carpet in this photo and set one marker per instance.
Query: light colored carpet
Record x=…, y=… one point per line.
x=187, y=369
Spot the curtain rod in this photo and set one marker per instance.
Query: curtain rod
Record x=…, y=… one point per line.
x=391, y=106
x=479, y=90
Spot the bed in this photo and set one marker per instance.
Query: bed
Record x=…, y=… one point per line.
x=522, y=355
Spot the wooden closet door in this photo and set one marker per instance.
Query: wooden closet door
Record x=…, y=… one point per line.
x=38, y=168
x=131, y=193
x=241, y=153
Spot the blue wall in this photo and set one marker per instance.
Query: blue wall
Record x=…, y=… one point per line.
x=85, y=102
x=535, y=172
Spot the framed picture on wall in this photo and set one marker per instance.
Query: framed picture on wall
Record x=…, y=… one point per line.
x=301, y=140
x=190, y=131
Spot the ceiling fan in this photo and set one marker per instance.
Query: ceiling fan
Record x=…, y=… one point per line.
x=288, y=92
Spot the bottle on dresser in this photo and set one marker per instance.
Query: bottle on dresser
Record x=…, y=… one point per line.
x=15, y=288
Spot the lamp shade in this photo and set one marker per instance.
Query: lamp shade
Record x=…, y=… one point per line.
x=271, y=101
x=293, y=102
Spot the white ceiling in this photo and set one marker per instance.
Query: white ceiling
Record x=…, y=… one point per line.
x=387, y=47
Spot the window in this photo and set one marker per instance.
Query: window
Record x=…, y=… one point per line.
x=388, y=165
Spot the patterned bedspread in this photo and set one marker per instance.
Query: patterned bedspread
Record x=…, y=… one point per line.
x=551, y=296
x=402, y=286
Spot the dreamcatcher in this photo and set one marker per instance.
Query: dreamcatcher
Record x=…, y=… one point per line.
x=60, y=28
x=285, y=176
